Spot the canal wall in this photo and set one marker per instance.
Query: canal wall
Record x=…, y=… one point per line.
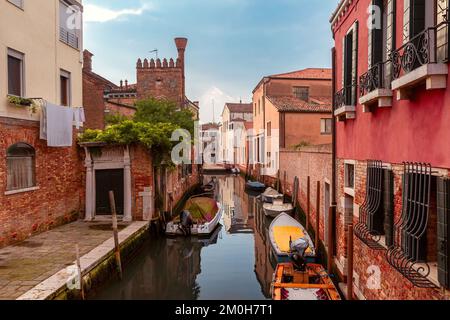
x=97, y=266
x=313, y=162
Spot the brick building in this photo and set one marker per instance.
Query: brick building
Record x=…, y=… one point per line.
x=160, y=79
x=40, y=186
x=290, y=110
x=392, y=146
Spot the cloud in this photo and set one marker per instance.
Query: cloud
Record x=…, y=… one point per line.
x=95, y=13
x=218, y=98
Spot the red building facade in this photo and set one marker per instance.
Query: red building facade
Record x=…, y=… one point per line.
x=391, y=104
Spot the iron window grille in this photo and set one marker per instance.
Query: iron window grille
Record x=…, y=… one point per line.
x=408, y=252
x=374, y=79
x=69, y=38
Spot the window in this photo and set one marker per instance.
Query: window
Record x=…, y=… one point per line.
x=325, y=126
x=376, y=34
x=269, y=129
x=17, y=3
x=69, y=31
x=301, y=93
x=350, y=62
x=15, y=73
x=20, y=160
x=349, y=175
x=65, y=88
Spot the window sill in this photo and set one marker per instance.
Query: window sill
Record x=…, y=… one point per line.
x=349, y=191
x=345, y=113
x=12, y=192
x=382, y=98
x=434, y=74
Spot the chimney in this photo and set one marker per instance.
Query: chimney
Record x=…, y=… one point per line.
x=87, y=60
x=181, y=44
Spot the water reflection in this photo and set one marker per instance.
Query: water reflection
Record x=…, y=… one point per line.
x=233, y=263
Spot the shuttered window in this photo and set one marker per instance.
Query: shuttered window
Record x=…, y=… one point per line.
x=442, y=12
x=375, y=42
x=15, y=73
x=413, y=18
x=350, y=62
x=20, y=160
x=443, y=230
x=390, y=37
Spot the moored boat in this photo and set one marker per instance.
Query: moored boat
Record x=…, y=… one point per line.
x=270, y=195
x=255, y=186
x=285, y=230
x=200, y=216
x=312, y=283
x=277, y=207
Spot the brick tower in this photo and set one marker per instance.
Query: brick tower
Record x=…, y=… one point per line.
x=163, y=79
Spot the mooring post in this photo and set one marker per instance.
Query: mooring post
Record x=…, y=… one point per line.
x=317, y=231
x=330, y=239
x=350, y=263
x=308, y=201
x=112, y=203
x=80, y=276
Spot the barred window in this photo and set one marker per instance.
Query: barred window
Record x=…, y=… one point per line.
x=301, y=93
x=20, y=160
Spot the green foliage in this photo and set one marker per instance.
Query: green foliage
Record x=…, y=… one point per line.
x=19, y=101
x=301, y=145
x=152, y=126
x=115, y=118
x=164, y=111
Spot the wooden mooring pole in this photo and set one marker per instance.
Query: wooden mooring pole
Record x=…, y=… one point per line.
x=350, y=262
x=80, y=276
x=112, y=203
x=308, y=201
x=317, y=231
x=330, y=241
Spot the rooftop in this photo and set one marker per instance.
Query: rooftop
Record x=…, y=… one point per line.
x=309, y=73
x=240, y=107
x=292, y=104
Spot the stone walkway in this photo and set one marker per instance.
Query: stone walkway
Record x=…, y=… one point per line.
x=25, y=265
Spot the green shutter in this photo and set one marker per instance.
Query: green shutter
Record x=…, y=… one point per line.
x=355, y=62
x=443, y=230
x=442, y=30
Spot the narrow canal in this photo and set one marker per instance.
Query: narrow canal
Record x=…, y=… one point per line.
x=233, y=263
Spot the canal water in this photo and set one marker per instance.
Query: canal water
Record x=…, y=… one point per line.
x=233, y=263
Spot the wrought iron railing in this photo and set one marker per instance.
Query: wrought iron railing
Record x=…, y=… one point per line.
x=408, y=253
x=373, y=79
x=345, y=97
x=367, y=229
x=69, y=38
x=420, y=50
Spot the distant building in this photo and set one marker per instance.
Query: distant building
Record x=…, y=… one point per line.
x=160, y=79
x=234, y=117
x=290, y=110
x=210, y=136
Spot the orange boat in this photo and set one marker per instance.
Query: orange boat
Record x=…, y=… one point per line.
x=312, y=284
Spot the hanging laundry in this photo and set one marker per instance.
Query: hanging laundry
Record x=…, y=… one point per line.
x=43, y=122
x=79, y=117
x=59, y=126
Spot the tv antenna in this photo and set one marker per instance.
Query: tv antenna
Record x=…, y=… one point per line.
x=155, y=51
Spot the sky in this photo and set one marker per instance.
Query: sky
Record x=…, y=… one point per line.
x=232, y=43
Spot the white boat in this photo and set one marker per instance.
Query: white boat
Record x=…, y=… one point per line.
x=277, y=207
x=205, y=213
x=282, y=231
x=270, y=195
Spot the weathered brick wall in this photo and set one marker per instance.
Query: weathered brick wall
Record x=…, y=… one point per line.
x=141, y=177
x=93, y=103
x=315, y=162
x=160, y=83
x=60, y=197
x=393, y=285
x=116, y=108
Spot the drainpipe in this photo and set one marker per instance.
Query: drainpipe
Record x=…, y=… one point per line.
x=332, y=212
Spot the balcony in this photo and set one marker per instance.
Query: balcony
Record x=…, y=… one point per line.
x=69, y=38
x=345, y=103
x=420, y=61
x=374, y=87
